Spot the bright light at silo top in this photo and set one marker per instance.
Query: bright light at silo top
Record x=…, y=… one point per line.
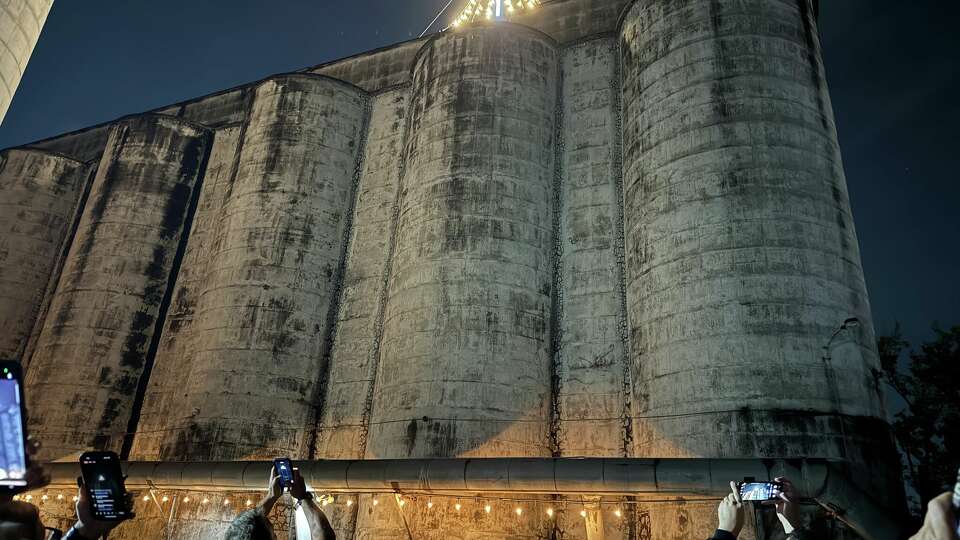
x=479, y=10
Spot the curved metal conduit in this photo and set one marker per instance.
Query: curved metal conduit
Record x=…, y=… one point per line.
x=824, y=481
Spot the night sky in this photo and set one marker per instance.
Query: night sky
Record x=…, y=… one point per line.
x=893, y=68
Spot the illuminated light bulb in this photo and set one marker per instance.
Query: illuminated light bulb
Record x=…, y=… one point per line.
x=29, y=497
x=75, y=498
x=617, y=513
x=457, y=507
x=146, y=498
x=44, y=497
x=376, y=501
x=249, y=502
x=60, y=497
x=226, y=502
x=205, y=500
x=165, y=499
x=401, y=502
x=186, y=499
x=349, y=502
x=550, y=512
x=429, y=505
x=519, y=511
x=487, y=508
x=583, y=513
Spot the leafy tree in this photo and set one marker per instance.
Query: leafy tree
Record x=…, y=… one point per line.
x=928, y=427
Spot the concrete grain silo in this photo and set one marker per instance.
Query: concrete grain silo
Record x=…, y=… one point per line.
x=602, y=229
x=271, y=271
x=21, y=22
x=92, y=349
x=41, y=191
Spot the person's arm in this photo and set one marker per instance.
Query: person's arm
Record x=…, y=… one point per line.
x=940, y=522
x=730, y=515
x=320, y=528
x=274, y=492
x=788, y=509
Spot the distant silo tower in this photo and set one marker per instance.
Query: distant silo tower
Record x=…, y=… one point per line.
x=20, y=25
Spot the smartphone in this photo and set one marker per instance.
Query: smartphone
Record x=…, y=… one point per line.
x=103, y=480
x=284, y=470
x=13, y=457
x=759, y=491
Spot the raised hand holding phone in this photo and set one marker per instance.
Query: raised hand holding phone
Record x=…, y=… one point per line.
x=956, y=505
x=102, y=482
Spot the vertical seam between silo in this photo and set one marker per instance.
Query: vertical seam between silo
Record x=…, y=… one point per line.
x=374, y=355
x=623, y=321
x=332, y=325
x=556, y=293
x=150, y=357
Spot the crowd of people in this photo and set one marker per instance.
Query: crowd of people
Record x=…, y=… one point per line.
x=20, y=520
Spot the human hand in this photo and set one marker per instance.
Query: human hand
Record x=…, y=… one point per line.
x=36, y=475
x=940, y=521
x=299, y=487
x=87, y=525
x=730, y=512
x=275, y=485
x=788, y=505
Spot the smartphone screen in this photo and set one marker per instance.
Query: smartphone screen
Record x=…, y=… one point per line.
x=13, y=453
x=103, y=480
x=759, y=491
x=284, y=471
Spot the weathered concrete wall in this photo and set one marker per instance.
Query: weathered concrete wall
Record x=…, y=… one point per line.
x=163, y=409
x=465, y=354
x=636, y=243
x=94, y=344
x=741, y=253
x=20, y=24
x=353, y=359
x=261, y=316
x=592, y=369
x=39, y=193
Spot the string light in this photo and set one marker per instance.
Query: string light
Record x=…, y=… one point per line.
x=60, y=497
x=349, y=502
x=519, y=511
x=75, y=498
x=44, y=497
x=549, y=512
x=430, y=505
x=376, y=501
x=205, y=500
x=487, y=508
x=226, y=502
x=186, y=499
x=457, y=506
x=249, y=502
x=401, y=502
x=617, y=513
x=490, y=9
x=146, y=498
x=164, y=499
x=583, y=513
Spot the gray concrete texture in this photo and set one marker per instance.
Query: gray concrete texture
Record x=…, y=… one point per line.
x=41, y=191
x=21, y=22
x=609, y=228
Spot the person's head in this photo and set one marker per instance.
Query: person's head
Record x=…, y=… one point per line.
x=20, y=521
x=250, y=525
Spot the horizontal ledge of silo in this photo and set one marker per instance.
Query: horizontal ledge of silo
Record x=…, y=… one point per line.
x=596, y=476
